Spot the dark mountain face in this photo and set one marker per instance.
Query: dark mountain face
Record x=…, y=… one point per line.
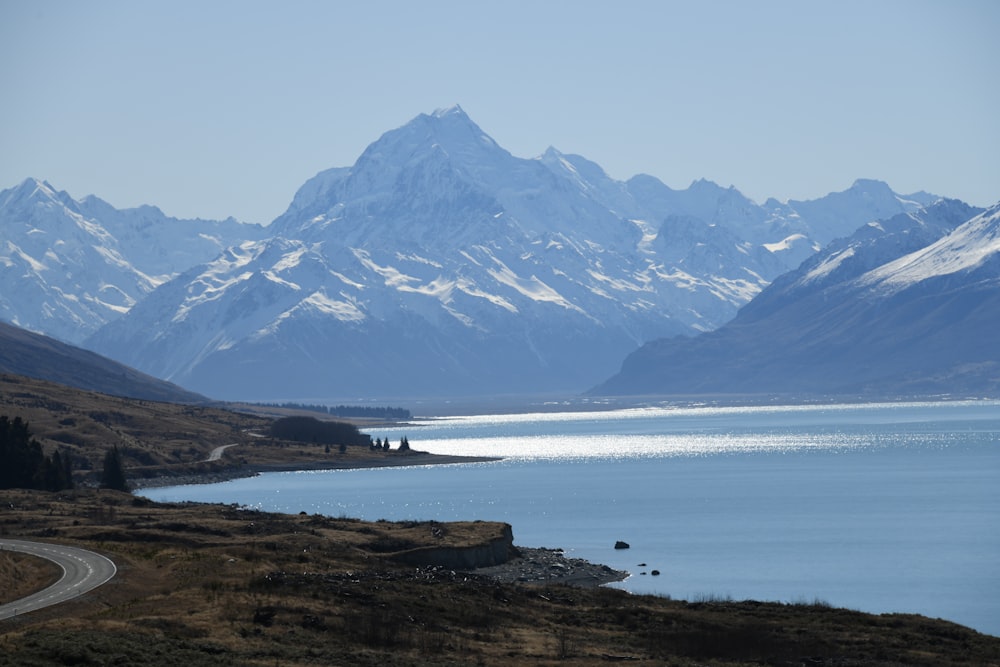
x=908, y=306
x=36, y=356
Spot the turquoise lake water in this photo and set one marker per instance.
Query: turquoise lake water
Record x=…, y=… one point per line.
x=878, y=507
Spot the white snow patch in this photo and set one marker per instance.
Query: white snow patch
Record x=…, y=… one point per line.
x=345, y=311
x=418, y=259
x=532, y=287
x=786, y=243
x=275, y=278
x=467, y=286
x=290, y=260
x=963, y=249
x=617, y=284
x=469, y=257
x=392, y=276
x=439, y=288
x=828, y=265
x=35, y=265
x=212, y=288
x=461, y=317
x=347, y=281
x=736, y=292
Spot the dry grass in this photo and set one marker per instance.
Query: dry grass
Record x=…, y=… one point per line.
x=23, y=574
x=85, y=425
x=163, y=439
x=215, y=584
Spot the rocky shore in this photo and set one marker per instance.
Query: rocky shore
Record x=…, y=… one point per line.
x=551, y=566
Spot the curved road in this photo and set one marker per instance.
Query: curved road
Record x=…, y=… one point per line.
x=217, y=452
x=83, y=571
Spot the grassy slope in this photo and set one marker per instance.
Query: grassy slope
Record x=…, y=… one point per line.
x=23, y=574
x=213, y=584
x=159, y=438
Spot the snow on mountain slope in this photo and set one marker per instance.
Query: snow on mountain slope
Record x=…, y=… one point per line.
x=163, y=246
x=908, y=305
x=838, y=214
x=441, y=264
x=969, y=247
x=61, y=272
x=872, y=245
x=67, y=267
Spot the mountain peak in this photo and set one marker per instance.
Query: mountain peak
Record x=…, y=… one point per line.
x=450, y=129
x=453, y=110
x=30, y=186
x=870, y=185
x=704, y=185
x=33, y=191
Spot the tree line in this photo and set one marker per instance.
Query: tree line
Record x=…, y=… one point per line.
x=357, y=411
x=310, y=429
x=23, y=464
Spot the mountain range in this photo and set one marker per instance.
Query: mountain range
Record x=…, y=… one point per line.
x=438, y=264
x=67, y=266
x=909, y=305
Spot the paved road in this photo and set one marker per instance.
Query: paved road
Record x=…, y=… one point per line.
x=83, y=571
x=217, y=452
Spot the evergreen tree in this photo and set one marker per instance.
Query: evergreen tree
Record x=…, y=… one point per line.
x=404, y=444
x=57, y=473
x=24, y=465
x=68, y=471
x=113, y=476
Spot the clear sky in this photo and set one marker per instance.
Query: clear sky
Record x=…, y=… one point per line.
x=216, y=108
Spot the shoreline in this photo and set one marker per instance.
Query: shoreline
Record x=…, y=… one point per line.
x=412, y=458
x=531, y=566
x=536, y=566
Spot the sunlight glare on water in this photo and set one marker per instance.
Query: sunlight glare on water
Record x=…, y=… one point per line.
x=884, y=508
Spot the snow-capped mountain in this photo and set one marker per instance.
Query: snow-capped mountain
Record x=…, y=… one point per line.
x=441, y=264
x=907, y=305
x=67, y=267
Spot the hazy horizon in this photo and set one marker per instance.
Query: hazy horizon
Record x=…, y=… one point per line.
x=226, y=109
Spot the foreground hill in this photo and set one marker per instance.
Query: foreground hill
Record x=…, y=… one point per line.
x=153, y=437
x=171, y=442
x=217, y=584
x=896, y=309
x=33, y=355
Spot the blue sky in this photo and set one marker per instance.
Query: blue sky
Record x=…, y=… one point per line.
x=225, y=108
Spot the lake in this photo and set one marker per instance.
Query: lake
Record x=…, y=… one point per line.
x=889, y=507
